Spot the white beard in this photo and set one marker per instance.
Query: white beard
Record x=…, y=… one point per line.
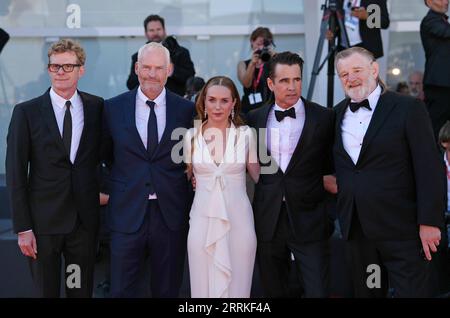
x=361, y=92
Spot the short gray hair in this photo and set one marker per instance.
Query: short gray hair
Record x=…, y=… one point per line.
x=353, y=50
x=152, y=46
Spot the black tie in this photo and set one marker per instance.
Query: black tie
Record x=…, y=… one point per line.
x=279, y=114
x=152, y=129
x=355, y=106
x=67, y=128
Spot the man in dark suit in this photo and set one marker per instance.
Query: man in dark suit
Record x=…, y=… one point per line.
x=182, y=66
x=289, y=202
x=51, y=161
x=357, y=28
x=149, y=199
x=391, y=182
x=435, y=35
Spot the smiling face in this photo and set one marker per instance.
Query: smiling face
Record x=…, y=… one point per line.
x=65, y=83
x=286, y=84
x=218, y=104
x=358, y=75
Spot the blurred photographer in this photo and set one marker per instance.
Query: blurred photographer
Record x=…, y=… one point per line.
x=358, y=31
x=183, y=68
x=253, y=73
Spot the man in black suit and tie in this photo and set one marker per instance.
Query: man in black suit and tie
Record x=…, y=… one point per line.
x=435, y=35
x=51, y=160
x=391, y=182
x=289, y=202
x=359, y=32
x=149, y=201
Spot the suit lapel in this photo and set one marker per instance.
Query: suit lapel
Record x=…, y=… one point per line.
x=307, y=132
x=129, y=112
x=49, y=117
x=88, y=117
x=342, y=108
x=171, y=116
x=381, y=113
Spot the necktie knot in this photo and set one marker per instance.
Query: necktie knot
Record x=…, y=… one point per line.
x=151, y=104
x=280, y=114
x=68, y=104
x=355, y=106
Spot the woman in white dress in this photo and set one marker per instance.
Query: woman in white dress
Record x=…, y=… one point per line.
x=218, y=151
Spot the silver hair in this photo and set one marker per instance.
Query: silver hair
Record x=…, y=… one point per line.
x=152, y=46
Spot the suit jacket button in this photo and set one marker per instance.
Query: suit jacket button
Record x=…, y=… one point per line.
x=147, y=184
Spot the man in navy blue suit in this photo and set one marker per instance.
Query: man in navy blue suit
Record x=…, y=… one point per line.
x=149, y=194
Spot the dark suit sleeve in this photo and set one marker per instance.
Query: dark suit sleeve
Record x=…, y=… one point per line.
x=133, y=80
x=328, y=162
x=183, y=66
x=250, y=119
x=429, y=171
x=384, y=14
x=17, y=160
x=106, y=148
x=435, y=25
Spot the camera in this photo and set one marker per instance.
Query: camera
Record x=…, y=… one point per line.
x=264, y=53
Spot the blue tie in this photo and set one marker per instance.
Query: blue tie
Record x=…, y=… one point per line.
x=152, y=129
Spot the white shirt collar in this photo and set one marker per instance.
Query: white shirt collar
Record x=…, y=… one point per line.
x=61, y=102
x=160, y=100
x=299, y=107
x=373, y=98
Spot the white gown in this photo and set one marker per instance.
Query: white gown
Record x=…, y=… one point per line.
x=221, y=239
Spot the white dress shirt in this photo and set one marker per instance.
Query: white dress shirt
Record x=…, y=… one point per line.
x=76, y=110
x=354, y=125
x=143, y=113
x=283, y=136
x=447, y=165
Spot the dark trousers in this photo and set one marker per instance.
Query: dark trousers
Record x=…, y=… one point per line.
x=438, y=103
x=78, y=248
x=401, y=263
x=440, y=275
x=311, y=262
x=165, y=248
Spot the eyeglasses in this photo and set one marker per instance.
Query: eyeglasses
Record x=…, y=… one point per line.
x=67, y=68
